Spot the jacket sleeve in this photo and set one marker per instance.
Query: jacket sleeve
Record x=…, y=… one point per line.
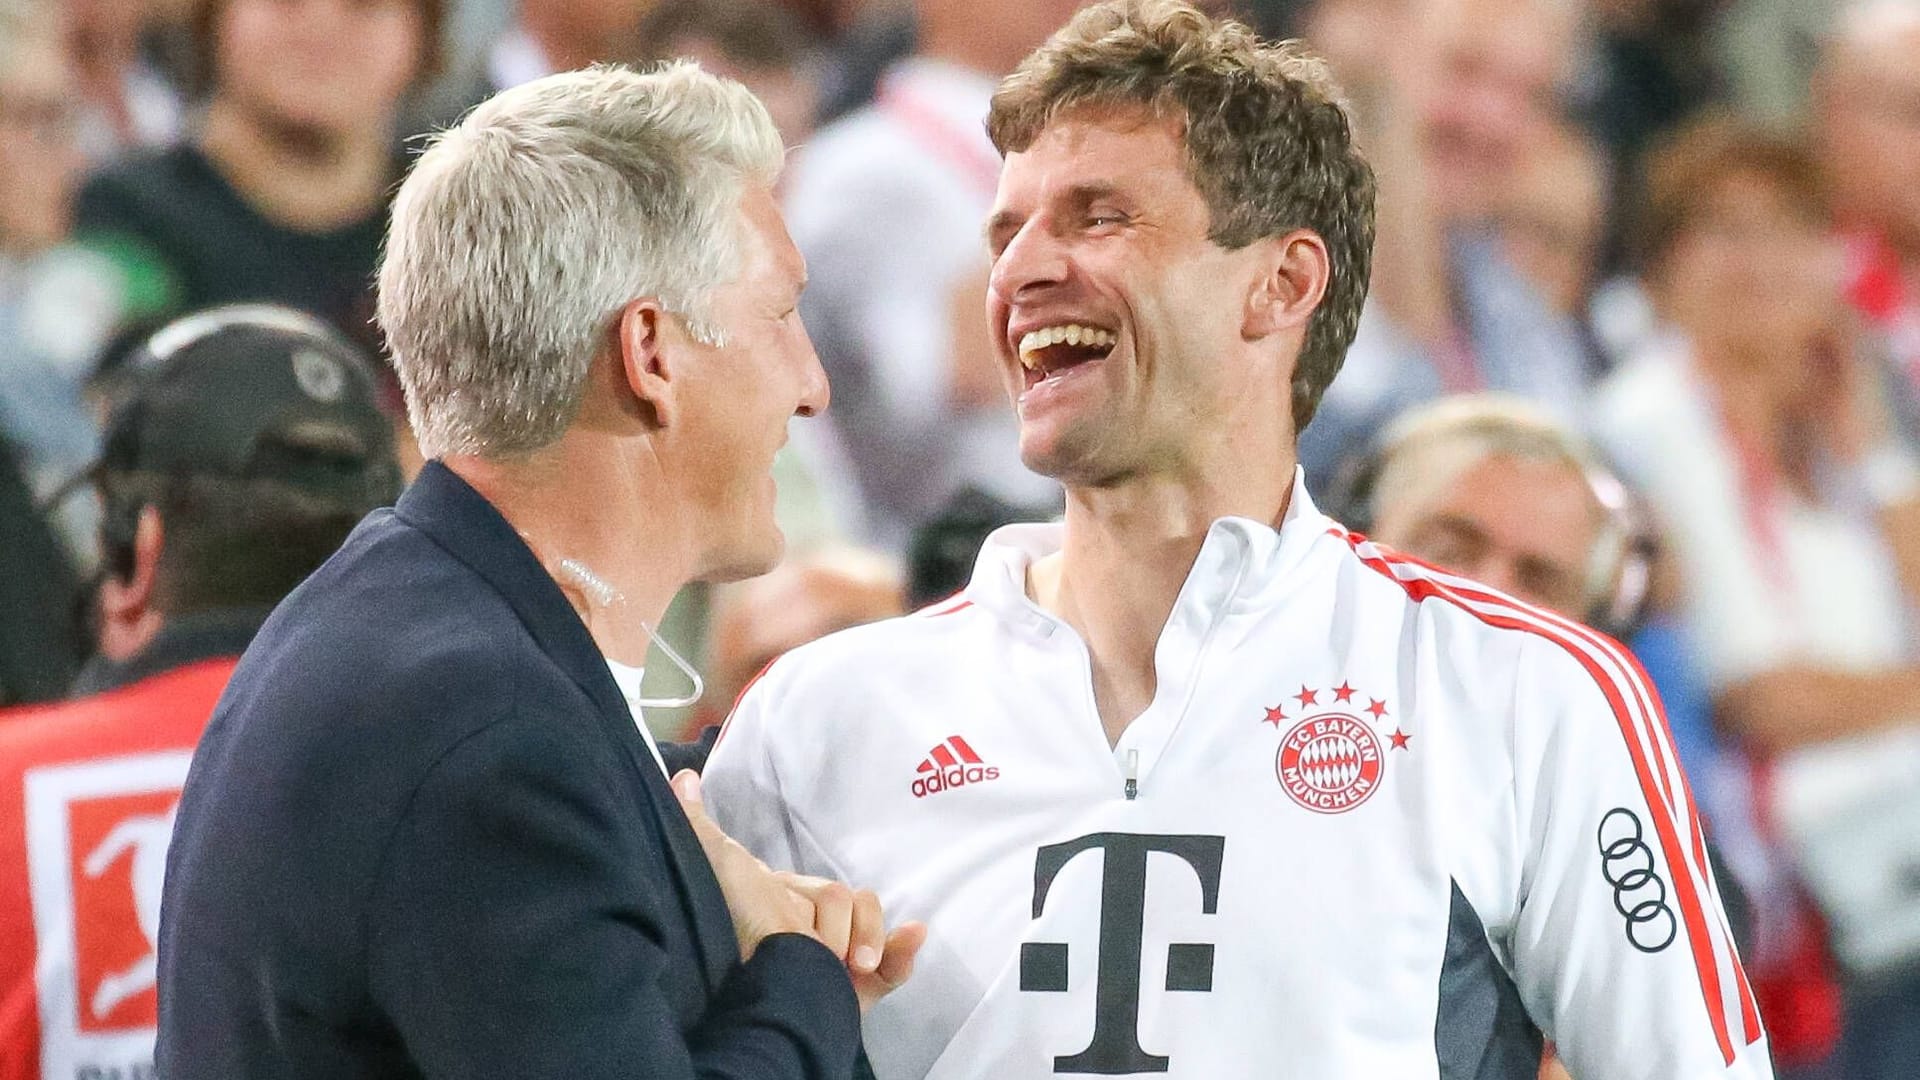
x=1619, y=944
x=515, y=935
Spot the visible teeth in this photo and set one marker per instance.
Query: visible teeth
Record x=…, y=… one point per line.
x=1068, y=334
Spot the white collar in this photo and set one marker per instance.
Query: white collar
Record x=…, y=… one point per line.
x=1241, y=562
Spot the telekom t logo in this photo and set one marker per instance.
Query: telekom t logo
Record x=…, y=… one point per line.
x=1115, y=1048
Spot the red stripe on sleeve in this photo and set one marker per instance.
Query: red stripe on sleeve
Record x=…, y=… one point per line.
x=1693, y=913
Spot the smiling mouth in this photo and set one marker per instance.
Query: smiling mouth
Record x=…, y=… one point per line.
x=1050, y=350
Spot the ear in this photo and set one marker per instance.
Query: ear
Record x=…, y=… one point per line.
x=128, y=619
x=644, y=340
x=1295, y=271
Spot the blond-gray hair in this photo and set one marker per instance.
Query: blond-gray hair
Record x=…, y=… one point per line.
x=522, y=232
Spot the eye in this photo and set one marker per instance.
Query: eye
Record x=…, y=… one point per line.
x=1103, y=219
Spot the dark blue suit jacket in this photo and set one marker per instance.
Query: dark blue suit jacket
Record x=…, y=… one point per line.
x=423, y=837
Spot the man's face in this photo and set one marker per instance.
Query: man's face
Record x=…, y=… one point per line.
x=1526, y=528
x=1113, y=316
x=1749, y=239
x=739, y=396
x=1552, y=212
x=333, y=66
x=39, y=159
x=1870, y=132
x=1497, y=66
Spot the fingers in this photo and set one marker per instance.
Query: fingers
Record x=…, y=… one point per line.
x=896, y=965
x=832, y=909
x=868, y=935
x=686, y=788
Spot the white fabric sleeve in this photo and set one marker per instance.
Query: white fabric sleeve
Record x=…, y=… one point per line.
x=1619, y=945
x=742, y=789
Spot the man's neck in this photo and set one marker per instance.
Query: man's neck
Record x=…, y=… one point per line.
x=579, y=508
x=299, y=177
x=1127, y=553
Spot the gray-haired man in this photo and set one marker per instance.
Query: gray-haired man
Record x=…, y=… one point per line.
x=424, y=834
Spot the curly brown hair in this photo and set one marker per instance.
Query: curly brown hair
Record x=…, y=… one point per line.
x=1268, y=142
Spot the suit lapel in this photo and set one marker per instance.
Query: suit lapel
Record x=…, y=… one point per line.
x=461, y=520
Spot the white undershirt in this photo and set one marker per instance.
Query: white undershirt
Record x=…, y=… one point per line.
x=628, y=680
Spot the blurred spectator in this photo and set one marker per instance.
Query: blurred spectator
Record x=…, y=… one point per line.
x=887, y=205
x=57, y=301
x=1448, y=106
x=1795, y=522
x=869, y=37
x=282, y=193
x=1492, y=488
x=1651, y=69
x=941, y=557
x=753, y=42
x=126, y=102
x=1868, y=128
x=39, y=632
x=809, y=597
x=1765, y=52
x=250, y=448
x=546, y=36
x=1552, y=217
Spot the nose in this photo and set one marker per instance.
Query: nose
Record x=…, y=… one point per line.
x=1034, y=258
x=815, y=393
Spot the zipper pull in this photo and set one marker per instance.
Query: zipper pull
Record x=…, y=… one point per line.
x=1133, y=775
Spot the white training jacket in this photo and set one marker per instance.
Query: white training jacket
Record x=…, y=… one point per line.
x=1379, y=823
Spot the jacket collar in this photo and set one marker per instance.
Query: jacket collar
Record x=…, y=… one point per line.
x=461, y=520
x=1242, y=564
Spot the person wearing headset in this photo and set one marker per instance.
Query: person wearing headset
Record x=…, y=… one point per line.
x=1491, y=487
x=247, y=446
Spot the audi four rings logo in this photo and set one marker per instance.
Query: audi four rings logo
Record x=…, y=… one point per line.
x=1639, y=892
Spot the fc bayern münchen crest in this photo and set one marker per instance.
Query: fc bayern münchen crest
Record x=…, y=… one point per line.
x=1330, y=762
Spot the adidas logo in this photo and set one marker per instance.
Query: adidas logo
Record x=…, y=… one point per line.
x=951, y=764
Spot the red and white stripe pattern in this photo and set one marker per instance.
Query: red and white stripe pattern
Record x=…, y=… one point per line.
x=1643, y=728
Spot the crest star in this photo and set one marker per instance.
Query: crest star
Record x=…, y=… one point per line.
x=1400, y=739
x=1274, y=716
x=1307, y=697
x=1343, y=693
x=1378, y=708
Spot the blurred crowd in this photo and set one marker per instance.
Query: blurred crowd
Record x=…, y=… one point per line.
x=1642, y=345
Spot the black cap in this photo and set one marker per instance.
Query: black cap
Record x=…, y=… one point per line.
x=253, y=392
